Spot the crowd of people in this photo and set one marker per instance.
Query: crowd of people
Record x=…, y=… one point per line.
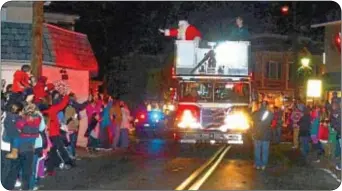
x=315, y=124
x=40, y=126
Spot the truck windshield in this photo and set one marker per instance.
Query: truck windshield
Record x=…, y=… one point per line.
x=200, y=91
x=220, y=92
x=232, y=92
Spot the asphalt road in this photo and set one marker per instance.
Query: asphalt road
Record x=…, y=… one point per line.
x=158, y=164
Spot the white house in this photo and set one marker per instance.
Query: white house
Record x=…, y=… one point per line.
x=64, y=51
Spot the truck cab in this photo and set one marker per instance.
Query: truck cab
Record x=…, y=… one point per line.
x=214, y=93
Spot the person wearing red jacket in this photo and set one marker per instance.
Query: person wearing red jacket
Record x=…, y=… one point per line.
x=185, y=31
x=323, y=136
x=51, y=112
x=21, y=79
x=39, y=89
x=55, y=136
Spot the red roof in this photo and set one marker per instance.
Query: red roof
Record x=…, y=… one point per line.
x=72, y=50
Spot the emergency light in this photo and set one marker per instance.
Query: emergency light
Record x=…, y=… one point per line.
x=155, y=116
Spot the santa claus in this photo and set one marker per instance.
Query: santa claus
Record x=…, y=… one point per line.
x=185, y=31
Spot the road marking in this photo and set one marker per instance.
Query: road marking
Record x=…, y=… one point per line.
x=200, y=182
x=196, y=173
x=331, y=174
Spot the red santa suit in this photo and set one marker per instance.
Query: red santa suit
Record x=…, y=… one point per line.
x=184, y=32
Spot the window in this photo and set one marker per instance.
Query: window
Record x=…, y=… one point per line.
x=231, y=92
x=3, y=14
x=273, y=70
x=201, y=90
x=218, y=92
x=291, y=65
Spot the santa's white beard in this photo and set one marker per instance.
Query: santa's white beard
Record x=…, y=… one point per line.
x=181, y=32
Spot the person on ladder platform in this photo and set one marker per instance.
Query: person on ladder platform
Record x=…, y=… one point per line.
x=240, y=33
x=185, y=31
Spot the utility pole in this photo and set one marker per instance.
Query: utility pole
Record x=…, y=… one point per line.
x=295, y=50
x=37, y=38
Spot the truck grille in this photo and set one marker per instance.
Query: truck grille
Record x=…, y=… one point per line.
x=212, y=117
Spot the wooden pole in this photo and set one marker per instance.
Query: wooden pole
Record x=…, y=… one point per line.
x=37, y=38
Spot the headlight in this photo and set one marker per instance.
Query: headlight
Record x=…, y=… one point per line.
x=237, y=121
x=188, y=120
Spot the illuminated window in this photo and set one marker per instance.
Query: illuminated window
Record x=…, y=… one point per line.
x=314, y=88
x=273, y=70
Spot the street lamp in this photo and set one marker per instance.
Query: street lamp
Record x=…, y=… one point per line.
x=305, y=62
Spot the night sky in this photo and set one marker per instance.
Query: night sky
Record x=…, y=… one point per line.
x=118, y=28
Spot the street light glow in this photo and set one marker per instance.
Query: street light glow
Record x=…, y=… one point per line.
x=305, y=62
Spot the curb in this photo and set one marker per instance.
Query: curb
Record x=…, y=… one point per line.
x=331, y=174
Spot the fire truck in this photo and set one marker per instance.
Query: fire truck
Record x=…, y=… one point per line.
x=213, y=93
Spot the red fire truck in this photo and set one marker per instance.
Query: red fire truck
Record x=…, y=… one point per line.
x=214, y=92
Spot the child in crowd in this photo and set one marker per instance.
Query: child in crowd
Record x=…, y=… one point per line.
x=21, y=79
x=332, y=140
x=323, y=135
x=315, y=123
x=12, y=133
x=30, y=121
x=93, y=132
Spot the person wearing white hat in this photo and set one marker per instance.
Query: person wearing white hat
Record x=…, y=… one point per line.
x=185, y=31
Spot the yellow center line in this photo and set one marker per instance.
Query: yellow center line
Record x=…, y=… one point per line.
x=196, y=173
x=200, y=182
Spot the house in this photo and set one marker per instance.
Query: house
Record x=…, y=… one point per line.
x=332, y=61
x=67, y=55
x=272, y=61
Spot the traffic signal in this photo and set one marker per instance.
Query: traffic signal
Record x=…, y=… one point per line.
x=337, y=40
x=284, y=10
